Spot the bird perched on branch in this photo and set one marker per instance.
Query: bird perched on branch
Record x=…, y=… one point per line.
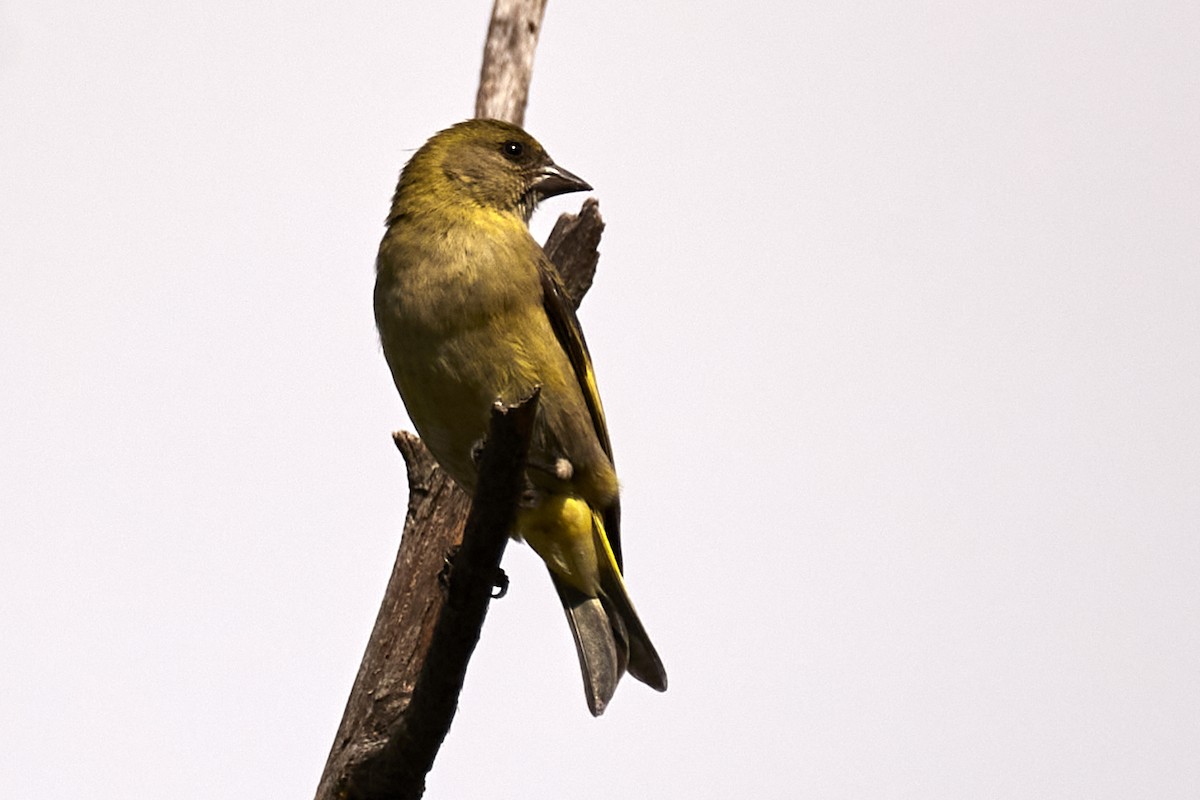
x=470, y=312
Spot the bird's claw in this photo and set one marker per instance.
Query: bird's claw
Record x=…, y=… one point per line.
x=500, y=586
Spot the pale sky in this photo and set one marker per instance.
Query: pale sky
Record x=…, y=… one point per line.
x=897, y=325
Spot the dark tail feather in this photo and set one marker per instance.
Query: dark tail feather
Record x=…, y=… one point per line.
x=643, y=661
x=632, y=640
x=609, y=636
x=602, y=657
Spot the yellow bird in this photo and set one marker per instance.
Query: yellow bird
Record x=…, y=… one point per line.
x=470, y=312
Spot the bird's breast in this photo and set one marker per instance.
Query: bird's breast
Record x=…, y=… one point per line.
x=455, y=313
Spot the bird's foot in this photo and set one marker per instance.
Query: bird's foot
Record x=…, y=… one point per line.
x=500, y=586
x=499, y=583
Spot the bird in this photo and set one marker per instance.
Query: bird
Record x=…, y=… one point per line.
x=471, y=313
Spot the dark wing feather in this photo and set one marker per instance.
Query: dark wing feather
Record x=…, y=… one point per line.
x=561, y=313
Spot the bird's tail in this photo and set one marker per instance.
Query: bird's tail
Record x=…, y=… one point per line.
x=609, y=636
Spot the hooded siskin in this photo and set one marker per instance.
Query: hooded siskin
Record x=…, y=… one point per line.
x=470, y=312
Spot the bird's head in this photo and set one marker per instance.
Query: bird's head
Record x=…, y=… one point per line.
x=489, y=163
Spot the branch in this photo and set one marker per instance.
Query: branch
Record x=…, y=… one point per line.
x=573, y=247
x=407, y=687
x=508, y=59
x=406, y=691
x=388, y=737
x=399, y=642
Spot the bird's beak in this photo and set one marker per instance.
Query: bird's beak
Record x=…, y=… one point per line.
x=553, y=179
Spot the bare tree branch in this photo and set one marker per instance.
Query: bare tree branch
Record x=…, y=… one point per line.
x=573, y=247
x=406, y=691
x=361, y=764
x=407, y=687
x=368, y=758
x=508, y=59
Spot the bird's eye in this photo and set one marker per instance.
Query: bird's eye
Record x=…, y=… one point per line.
x=513, y=150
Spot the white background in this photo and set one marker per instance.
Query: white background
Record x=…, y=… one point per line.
x=897, y=324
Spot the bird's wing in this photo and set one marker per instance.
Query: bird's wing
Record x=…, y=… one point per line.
x=561, y=313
